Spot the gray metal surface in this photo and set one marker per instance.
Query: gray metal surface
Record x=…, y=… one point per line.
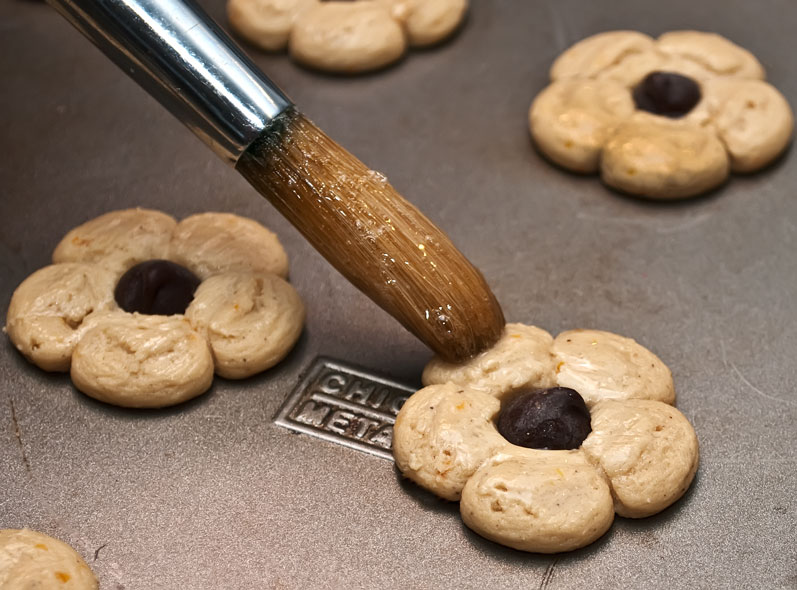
x=213, y=494
x=187, y=63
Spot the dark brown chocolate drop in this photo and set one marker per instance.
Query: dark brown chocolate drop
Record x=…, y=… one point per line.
x=156, y=287
x=555, y=418
x=668, y=94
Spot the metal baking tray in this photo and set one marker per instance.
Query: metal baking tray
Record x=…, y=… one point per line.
x=216, y=494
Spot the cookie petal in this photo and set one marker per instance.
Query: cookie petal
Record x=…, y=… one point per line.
x=141, y=361
x=442, y=434
x=572, y=119
x=118, y=240
x=540, y=501
x=347, y=37
x=714, y=53
x=634, y=67
x=648, y=450
x=251, y=321
x=521, y=358
x=427, y=22
x=47, y=311
x=212, y=243
x=601, y=365
x=591, y=56
x=752, y=118
x=29, y=559
x=656, y=157
x=266, y=23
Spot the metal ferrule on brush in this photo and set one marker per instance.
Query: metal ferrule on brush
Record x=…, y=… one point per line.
x=183, y=59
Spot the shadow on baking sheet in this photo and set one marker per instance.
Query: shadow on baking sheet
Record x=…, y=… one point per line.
x=136, y=413
x=424, y=498
x=643, y=532
x=521, y=558
x=650, y=203
x=681, y=203
x=651, y=523
x=743, y=179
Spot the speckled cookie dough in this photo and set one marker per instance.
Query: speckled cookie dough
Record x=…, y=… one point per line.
x=142, y=330
x=266, y=24
x=46, y=313
x=662, y=118
x=212, y=243
x=594, y=411
x=141, y=361
x=647, y=449
x=251, y=321
x=602, y=365
x=345, y=37
x=522, y=357
x=427, y=22
x=540, y=501
x=446, y=432
x=31, y=560
x=117, y=240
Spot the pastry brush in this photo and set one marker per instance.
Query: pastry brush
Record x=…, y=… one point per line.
x=352, y=215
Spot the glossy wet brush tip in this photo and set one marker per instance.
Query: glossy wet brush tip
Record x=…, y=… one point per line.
x=374, y=237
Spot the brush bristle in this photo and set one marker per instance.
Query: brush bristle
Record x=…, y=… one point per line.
x=374, y=237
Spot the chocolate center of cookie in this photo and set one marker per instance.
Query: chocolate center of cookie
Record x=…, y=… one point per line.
x=666, y=93
x=156, y=287
x=555, y=418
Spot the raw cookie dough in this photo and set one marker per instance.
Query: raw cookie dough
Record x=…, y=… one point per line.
x=446, y=433
x=522, y=357
x=346, y=37
x=141, y=361
x=602, y=365
x=541, y=501
x=251, y=321
x=211, y=243
x=266, y=23
x=639, y=457
x=31, y=560
x=647, y=449
x=117, y=240
x=655, y=157
x=149, y=333
x=427, y=22
x=587, y=121
x=574, y=119
x=47, y=311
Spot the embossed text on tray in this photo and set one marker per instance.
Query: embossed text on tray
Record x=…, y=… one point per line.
x=341, y=403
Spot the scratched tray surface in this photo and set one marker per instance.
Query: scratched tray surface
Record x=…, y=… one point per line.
x=217, y=494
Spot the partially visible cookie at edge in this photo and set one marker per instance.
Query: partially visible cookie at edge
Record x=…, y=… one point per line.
x=31, y=560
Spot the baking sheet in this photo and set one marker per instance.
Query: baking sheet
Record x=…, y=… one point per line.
x=214, y=494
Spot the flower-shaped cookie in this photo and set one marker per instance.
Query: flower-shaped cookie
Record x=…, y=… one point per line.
x=664, y=118
x=32, y=560
x=639, y=455
x=345, y=36
x=142, y=309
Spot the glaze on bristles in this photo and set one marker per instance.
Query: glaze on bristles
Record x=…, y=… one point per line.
x=374, y=237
